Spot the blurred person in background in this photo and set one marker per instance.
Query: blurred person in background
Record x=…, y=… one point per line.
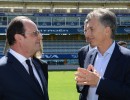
x=22, y=75
x=81, y=57
x=82, y=52
x=122, y=43
x=6, y=47
x=106, y=72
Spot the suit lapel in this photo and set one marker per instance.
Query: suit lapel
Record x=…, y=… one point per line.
x=19, y=68
x=42, y=77
x=90, y=58
x=85, y=51
x=111, y=67
x=40, y=72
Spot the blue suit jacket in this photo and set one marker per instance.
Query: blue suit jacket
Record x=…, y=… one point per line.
x=115, y=85
x=15, y=82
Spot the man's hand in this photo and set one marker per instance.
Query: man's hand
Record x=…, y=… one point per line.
x=87, y=76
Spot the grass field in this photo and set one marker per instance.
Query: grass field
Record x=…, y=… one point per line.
x=62, y=85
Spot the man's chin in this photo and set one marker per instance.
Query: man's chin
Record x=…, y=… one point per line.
x=37, y=49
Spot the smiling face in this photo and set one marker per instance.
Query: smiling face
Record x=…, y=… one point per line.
x=95, y=32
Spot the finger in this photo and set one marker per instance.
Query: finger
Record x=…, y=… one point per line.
x=82, y=70
x=80, y=79
x=83, y=83
x=80, y=75
x=90, y=68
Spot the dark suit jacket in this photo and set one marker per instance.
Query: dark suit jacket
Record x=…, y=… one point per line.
x=44, y=67
x=15, y=82
x=115, y=85
x=82, y=54
x=81, y=57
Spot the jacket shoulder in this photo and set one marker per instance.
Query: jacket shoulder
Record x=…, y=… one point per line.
x=3, y=60
x=40, y=61
x=83, y=48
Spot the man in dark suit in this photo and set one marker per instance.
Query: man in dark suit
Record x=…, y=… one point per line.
x=83, y=51
x=21, y=76
x=81, y=57
x=106, y=72
x=82, y=54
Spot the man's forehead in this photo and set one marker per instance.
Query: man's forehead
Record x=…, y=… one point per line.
x=89, y=23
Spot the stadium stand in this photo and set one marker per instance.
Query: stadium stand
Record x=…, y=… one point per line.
x=61, y=22
x=63, y=47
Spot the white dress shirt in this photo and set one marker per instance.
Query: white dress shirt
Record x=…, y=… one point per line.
x=100, y=65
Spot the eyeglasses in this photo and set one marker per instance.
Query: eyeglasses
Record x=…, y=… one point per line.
x=35, y=33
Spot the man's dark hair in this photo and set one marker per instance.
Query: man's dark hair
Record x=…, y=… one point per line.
x=16, y=26
x=122, y=43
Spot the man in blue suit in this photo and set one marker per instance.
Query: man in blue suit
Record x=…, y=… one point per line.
x=18, y=79
x=106, y=72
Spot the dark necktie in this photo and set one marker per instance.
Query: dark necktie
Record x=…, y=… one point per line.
x=32, y=75
x=45, y=94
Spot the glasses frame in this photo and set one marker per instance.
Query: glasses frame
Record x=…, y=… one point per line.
x=35, y=33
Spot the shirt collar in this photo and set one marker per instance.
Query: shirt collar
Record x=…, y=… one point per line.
x=18, y=56
x=90, y=48
x=109, y=50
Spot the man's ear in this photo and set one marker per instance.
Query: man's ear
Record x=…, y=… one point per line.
x=108, y=31
x=18, y=37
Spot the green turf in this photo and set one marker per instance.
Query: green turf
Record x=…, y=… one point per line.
x=62, y=85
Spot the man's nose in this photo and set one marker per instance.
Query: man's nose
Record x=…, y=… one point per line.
x=87, y=33
x=40, y=36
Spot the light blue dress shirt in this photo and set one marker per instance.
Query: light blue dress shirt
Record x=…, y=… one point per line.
x=100, y=65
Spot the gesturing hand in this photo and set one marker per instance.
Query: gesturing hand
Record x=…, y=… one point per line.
x=87, y=76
